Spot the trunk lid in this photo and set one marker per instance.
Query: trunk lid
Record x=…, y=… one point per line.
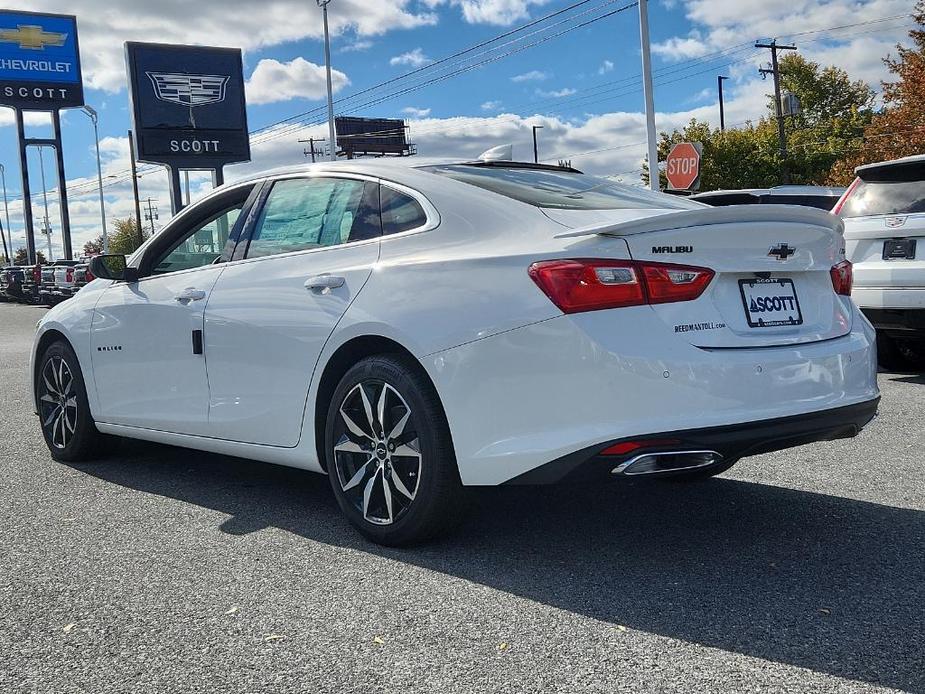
x=756, y=299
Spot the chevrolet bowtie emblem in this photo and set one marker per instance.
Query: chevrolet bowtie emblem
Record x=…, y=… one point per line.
x=32, y=37
x=782, y=251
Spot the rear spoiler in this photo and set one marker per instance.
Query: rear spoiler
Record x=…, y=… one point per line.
x=709, y=216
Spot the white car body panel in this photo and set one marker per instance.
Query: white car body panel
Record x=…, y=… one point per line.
x=879, y=283
x=521, y=383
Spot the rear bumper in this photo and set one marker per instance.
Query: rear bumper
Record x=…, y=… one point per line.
x=518, y=400
x=888, y=297
x=732, y=442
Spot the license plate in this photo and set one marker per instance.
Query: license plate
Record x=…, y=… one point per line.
x=899, y=249
x=770, y=302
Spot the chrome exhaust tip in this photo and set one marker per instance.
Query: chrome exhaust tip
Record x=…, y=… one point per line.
x=665, y=462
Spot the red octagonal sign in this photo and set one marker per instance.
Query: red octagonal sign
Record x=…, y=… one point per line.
x=683, y=166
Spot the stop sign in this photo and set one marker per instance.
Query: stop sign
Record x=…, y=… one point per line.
x=683, y=166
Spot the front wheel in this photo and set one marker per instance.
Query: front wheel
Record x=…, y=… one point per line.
x=389, y=454
x=69, y=431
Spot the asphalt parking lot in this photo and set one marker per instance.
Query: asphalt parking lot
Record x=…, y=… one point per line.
x=162, y=570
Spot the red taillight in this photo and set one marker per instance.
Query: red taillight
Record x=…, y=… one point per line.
x=69, y=274
x=844, y=198
x=584, y=284
x=88, y=276
x=842, y=278
x=37, y=274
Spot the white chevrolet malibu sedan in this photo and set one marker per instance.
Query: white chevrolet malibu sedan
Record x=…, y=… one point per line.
x=411, y=330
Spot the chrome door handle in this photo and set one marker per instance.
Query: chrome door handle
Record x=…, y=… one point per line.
x=190, y=294
x=324, y=282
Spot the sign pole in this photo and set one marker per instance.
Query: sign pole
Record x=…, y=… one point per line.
x=649, y=97
x=176, y=193
x=26, y=192
x=131, y=156
x=62, y=188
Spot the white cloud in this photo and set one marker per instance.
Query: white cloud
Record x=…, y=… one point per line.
x=273, y=81
x=105, y=25
x=415, y=58
x=555, y=93
x=416, y=112
x=532, y=76
x=500, y=12
x=606, y=66
x=357, y=46
x=491, y=105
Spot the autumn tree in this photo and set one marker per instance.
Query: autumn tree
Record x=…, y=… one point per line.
x=899, y=129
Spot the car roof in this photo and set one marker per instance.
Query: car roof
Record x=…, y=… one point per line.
x=383, y=166
x=875, y=169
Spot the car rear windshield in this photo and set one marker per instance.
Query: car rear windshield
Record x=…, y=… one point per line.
x=884, y=197
x=561, y=190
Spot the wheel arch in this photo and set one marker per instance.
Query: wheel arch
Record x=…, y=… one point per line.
x=343, y=358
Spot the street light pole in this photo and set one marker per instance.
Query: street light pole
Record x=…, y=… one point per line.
x=536, y=157
x=648, y=94
x=722, y=114
x=323, y=4
x=46, y=229
x=94, y=117
x=6, y=208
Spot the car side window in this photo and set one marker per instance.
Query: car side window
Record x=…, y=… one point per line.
x=305, y=213
x=400, y=212
x=202, y=246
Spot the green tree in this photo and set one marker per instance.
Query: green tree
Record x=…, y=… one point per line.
x=835, y=111
x=124, y=238
x=21, y=257
x=94, y=246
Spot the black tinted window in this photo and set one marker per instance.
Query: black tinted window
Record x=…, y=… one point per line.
x=400, y=212
x=884, y=197
x=822, y=202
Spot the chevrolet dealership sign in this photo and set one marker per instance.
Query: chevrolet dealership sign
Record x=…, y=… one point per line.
x=39, y=61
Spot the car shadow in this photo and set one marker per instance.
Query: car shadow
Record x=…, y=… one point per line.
x=917, y=380
x=821, y=582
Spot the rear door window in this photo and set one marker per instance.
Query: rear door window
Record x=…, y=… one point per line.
x=305, y=213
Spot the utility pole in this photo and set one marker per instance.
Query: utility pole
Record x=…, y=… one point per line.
x=151, y=214
x=775, y=72
x=536, y=156
x=323, y=4
x=46, y=226
x=131, y=155
x=647, y=90
x=311, y=147
x=722, y=115
x=6, y=208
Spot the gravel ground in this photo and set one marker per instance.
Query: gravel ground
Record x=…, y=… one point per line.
x=162, y=570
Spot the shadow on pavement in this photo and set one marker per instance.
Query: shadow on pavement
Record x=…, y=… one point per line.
x=816, y=581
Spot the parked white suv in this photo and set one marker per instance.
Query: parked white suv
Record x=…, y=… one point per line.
x=884, y=215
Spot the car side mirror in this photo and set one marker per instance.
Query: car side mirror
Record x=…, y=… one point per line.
x=113, y=267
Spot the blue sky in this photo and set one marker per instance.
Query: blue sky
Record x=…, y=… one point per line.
x=582, y=86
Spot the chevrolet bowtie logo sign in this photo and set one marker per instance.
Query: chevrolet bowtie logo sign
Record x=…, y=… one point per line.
x=31, y=37
x=782, y=251
x=188, y=90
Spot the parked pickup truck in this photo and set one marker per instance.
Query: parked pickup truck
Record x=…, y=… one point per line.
x=70, y=278
x=50, y=292
x=11, y=283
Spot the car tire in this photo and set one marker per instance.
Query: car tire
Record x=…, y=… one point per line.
x=890, y=354
x=64, y=413
x=396, y=480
